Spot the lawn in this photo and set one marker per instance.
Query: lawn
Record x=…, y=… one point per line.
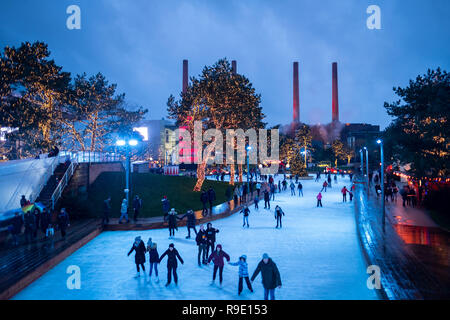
x=151, y=188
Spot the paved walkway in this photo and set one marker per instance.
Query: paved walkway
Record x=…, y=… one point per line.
x=411, y=251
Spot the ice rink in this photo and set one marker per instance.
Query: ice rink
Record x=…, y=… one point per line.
x=316, y=251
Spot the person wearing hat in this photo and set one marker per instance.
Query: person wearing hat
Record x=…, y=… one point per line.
x=153, y=257
x=172, y=263
x=217, y=258
x=124, y=211
x=139, y=258
x=201, y=240
x=210, y=237
x=270, y=276
x=172, y=217
x=190, y=224
x=243, y=273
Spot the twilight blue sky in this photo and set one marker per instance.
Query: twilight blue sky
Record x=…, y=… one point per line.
x=140, y=44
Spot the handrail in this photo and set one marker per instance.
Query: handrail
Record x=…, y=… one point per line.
x=64, y=182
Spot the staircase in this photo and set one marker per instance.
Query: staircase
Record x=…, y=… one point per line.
x=45, y=197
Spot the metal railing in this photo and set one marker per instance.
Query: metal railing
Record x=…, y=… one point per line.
x=64, y=182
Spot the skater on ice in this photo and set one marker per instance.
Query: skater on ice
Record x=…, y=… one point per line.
x=256, y=201
x=172, y=263
x=210, y=237
x=319, y=199
x=243, y=273
x=172, y=217
x=344, y=191
x=245, y=212
x=190, y=224
x=324, y=186
x=300, y=189
x=278, y=214
x=292, y=186
x=217, y=258
x=266, y=199
x=153, y=258
x=139, y=257
x=270, y=275
x=202, y=244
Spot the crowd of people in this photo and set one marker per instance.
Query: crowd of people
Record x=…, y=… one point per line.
x=37, y=222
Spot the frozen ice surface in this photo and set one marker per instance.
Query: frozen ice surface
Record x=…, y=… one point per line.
x=316, y=251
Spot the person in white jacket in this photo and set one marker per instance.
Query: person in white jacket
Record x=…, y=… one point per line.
x=124, y=211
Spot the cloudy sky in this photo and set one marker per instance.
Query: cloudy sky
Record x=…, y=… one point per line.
x=140, y=45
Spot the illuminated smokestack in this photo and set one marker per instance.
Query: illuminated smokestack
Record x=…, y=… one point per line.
x=185, y=75
x=233, y=67
x=335, y=100
x=296, y=103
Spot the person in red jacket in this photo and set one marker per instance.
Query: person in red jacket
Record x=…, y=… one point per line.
x=344, y=191
x=324, y=186
x=217, y=257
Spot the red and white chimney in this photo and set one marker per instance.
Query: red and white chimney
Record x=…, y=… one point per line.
x=185, y=75
x=334, y=94
x=296, y=99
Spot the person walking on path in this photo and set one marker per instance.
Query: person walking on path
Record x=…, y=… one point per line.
x=124, y=211
x=243, y=273
x=172, y=263
x=270, y=275
x=106, y=210
x=190, y=224
x=278, y=214
x=63, y=222
x=266, y=199
x=300, y=189
x=202, y=244
x=172, y=218
x=165, y=206
x=137, y=205
x=139, y=257
x=153, y=258
x=344, y=191
x=204, y=200
x=324, y=186
x=217, y=258
x=246, y=212
x=46, y=219
x=319, y=199
x=211, y=199
x=256, y=201
x=210, y=237
x=292, y=186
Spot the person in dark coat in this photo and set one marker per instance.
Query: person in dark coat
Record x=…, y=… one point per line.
x=271, y=278
x=210, y=237
x=30, y=225
x=139, y=257
x=153, y=257
x=46, y=219
x=211, y=198
x=190, y=224
x=202, y=244
x=278, y=214
x=172, y=263
x=16, y=227
x=106, y=210
x=165, y=206
x=300, y=189
x=137, y=205
x=63, y=222
x=23, y=201
x=246, y=212
x=172, y=217
x=37, y=221
x=217, y=258
x=266, y=199
x=204, y=200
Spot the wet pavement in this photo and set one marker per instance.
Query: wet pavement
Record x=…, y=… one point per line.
x=411, y=251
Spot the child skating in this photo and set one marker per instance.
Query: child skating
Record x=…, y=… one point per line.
x=243, y=273
x=217, y=258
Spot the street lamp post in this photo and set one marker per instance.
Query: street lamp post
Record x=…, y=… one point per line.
x=380, y=142
x=367, y=169
x=362, y=163
x=127, y=145
x=248, y=148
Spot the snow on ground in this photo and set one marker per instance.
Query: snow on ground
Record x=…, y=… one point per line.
x=316, y=251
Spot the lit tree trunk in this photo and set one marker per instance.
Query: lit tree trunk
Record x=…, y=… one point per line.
x=240, y=172
x=232, y=173
x=201, y=168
